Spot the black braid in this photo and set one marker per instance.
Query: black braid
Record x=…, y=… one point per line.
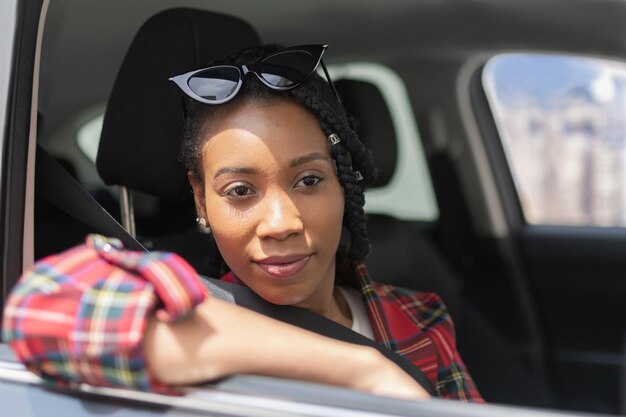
x=350, y=155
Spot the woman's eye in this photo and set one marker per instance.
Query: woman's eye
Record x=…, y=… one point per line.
x=309, y=181
x=239, y=191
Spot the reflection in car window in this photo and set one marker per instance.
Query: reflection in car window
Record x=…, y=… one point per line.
x=561, y=120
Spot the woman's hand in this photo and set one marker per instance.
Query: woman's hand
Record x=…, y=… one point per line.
x=220, y=339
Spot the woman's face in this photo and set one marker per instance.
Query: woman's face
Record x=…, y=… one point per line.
x=273, y=201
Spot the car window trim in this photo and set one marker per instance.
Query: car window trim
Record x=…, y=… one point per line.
x=19, y=128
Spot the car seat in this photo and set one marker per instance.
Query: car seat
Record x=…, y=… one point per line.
x=143, y=122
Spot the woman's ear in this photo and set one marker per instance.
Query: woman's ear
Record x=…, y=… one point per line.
x=197, y=188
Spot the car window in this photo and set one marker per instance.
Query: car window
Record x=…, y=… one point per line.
x=561, y=121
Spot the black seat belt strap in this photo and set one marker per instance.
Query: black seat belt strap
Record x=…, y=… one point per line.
x=56, y=184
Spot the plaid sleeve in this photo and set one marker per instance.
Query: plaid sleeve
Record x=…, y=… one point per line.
x=80, y=316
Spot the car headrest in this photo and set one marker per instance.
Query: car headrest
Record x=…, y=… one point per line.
x=143, y=122
x=364, y=102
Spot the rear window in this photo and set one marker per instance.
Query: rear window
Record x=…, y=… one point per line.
x=562, y=121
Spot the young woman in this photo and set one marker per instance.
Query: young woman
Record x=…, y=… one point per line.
x=277, y=173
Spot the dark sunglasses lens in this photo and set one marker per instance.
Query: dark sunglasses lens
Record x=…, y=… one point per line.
x=288, y=68
x=215, y=84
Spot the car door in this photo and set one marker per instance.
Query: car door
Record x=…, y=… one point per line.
x=557, y=142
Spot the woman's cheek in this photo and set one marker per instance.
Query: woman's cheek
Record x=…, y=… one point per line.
x=334, y=206
x=230, y=229
x=229, y=240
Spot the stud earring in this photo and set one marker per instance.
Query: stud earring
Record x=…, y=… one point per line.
x=201, y=221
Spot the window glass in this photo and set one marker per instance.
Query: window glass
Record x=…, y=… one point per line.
x=563, y=126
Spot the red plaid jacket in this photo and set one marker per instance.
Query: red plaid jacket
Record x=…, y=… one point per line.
x=79, y=316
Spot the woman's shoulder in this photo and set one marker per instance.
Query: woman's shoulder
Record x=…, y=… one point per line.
x=404, y=308
x=402, y=294
x=426, y=309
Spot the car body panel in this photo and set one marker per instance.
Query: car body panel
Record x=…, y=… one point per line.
x=251, y=396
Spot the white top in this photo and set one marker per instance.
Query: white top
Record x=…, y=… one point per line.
x=360, y=322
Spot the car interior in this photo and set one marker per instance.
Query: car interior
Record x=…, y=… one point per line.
x=444, y=215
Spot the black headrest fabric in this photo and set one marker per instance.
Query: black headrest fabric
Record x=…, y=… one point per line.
x=364, y=101
x=143, y=122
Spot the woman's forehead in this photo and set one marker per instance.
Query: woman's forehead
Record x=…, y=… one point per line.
x=252, y=133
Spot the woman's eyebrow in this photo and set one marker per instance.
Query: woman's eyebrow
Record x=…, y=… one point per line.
x=307, y=158
x=234, y=170
x=313, y=156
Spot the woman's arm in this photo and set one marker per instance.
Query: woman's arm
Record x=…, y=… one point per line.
x=220, y=339
x=87, y=315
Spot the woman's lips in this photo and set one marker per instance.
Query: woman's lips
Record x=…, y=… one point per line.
x=284, y=266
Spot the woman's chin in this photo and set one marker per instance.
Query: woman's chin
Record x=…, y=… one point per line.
x=281, y=297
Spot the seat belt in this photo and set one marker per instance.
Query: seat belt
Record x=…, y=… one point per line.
x=55, y=184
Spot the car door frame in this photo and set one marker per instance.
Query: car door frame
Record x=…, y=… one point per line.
x=553, y=261
x=21, y=46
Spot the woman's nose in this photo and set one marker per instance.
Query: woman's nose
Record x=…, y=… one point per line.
x=280, y=217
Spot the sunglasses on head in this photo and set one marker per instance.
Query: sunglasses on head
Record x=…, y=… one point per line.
x=281, y=70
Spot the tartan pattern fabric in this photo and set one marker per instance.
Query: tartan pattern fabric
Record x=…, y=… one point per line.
x=418, y=326
x=80, y=316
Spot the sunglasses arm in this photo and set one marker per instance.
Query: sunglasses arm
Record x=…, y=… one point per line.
x=330, y=81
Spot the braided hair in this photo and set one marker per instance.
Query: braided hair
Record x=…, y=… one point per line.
x=315, y=95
